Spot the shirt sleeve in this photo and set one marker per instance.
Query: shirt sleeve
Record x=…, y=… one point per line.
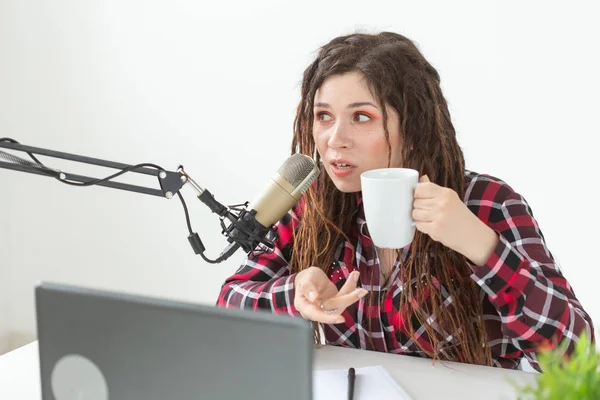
x=536, y=304
x=264, y=280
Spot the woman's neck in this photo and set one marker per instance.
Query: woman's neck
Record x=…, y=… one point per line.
x=387, y=259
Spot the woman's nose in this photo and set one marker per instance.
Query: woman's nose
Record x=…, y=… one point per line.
x=340, y=136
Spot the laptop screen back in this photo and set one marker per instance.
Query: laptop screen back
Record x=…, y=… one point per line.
x=107, y=345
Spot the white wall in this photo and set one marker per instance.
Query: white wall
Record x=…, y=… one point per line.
x=214, y=87
x=5, y=323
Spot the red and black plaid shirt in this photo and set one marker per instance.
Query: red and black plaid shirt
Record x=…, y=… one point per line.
x=526, y=299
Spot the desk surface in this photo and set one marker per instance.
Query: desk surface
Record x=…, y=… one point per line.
x=421, y=378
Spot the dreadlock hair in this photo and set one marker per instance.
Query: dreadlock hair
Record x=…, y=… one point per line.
x=399, y=76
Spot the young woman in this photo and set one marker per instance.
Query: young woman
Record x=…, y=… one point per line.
x=477, y=284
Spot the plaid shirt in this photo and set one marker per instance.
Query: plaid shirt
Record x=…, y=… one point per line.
x=526, y=299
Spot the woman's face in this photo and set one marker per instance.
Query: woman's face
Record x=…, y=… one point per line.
x=348, y=130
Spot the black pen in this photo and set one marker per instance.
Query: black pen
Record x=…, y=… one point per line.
x=351, y=379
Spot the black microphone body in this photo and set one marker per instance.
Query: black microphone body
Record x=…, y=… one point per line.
x=251, y=229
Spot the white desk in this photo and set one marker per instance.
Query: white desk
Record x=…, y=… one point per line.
x=20, y=379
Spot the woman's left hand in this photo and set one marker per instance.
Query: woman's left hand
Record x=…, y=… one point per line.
x=441, y=214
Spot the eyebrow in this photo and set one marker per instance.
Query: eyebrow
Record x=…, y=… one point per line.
x=351, y=105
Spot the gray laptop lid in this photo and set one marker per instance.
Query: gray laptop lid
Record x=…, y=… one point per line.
x=101, y=345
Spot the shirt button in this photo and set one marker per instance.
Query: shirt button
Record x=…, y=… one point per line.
x=488, y=281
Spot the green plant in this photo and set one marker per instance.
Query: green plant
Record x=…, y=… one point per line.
x=566, y=377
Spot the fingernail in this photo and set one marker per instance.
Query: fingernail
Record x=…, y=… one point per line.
x=361, y=293
x=312, y=296
x=340, y=320
x=355, y=276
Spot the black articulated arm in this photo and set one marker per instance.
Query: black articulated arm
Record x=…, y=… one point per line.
x=243, y=231
x=170, y=182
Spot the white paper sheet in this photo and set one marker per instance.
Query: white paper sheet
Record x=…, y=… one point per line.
x=371, y=383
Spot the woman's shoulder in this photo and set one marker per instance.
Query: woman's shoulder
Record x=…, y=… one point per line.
x=486, y=187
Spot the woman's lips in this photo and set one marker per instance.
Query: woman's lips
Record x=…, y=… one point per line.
x=342, y=168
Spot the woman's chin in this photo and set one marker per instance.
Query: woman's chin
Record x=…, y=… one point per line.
x=346, y=186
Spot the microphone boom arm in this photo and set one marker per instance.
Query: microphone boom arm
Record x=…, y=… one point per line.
x=170, y=182
x=243, y=231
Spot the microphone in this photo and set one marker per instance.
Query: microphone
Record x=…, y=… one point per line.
x=286, y=188
x=249, y=229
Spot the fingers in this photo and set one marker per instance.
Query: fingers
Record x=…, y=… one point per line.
x=424, y=204
x=339, y=303
x=312, y=311
x=330, y=291
x=323, y=302
x=311, y=282
x=426, y=190
x=308, y=290
x=335, y=305
x=421, y=215
x=427, y=228
x=350, y=284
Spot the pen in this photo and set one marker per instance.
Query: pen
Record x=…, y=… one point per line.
x=351, y=379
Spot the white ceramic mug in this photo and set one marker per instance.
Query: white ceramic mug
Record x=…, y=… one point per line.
x=388, y=196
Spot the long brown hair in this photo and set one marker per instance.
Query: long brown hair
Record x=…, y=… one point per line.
x=399, y=76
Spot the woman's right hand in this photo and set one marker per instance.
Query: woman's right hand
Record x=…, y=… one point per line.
x=317, y=299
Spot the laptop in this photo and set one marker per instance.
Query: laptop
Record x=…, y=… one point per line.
x=100, y=345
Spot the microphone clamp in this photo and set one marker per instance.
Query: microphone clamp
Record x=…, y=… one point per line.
x=244, y=230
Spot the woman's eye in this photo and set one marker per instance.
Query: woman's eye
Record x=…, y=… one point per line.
x=323, y=116
x=360, y=117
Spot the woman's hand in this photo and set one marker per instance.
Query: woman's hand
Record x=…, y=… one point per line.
x=318, y=299
x=441, y=214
